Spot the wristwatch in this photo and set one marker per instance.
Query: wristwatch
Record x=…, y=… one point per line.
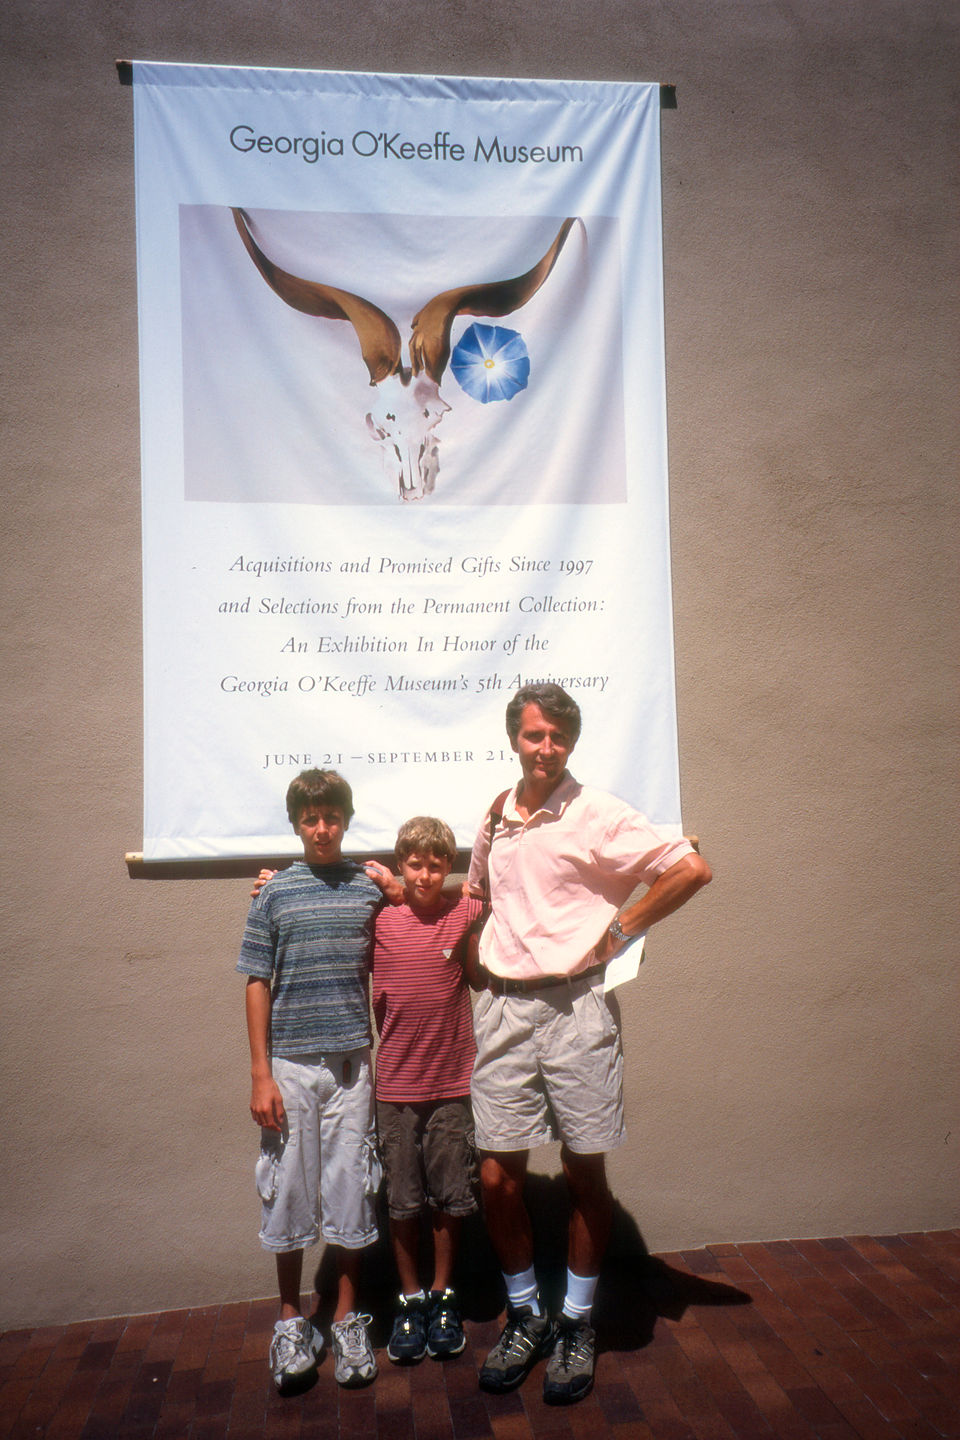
x=617, y=932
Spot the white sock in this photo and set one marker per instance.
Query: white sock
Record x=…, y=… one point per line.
x=579, y=1298
x=417, y=1295
x=522, y=1290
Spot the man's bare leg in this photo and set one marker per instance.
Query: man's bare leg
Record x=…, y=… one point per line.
x=501, y=1179
x=528, y=1334
x=570, y=1369
x=591, y=1211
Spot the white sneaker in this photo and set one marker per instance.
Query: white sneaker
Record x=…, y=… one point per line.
x=355, y=1364
x=294, y=1351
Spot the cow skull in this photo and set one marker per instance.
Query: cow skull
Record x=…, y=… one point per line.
x=402, y=418
x=408, y=406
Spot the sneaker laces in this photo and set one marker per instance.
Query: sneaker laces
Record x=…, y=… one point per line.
x=446, y=1312
x=353, y=1336
x=285, y=1350
x=287, y=1341
x=574, y=1346
x=514, y=1337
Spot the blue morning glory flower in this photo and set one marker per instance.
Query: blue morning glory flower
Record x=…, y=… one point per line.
x=491, y=363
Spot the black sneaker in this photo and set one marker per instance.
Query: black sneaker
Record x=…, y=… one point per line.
x=569, y=1374
x=444, y=1328
x=525, y=1339
x=408, y=1338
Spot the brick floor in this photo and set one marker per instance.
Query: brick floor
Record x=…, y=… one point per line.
x=856, y=1338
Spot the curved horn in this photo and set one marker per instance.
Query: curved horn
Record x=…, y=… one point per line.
x=430, y=341
x=379, y=338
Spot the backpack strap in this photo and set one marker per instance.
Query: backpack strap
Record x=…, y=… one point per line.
x=494, y=818
x=496, y=812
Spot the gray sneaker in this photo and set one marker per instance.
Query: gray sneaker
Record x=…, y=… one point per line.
x=355, y=1364
x=569, y=1374
x=294, y=1350
x=525, y=1339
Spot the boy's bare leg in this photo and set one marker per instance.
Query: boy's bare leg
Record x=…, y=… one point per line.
x=405, y=1238
x=446, y=1241
x=348, y=1274
x=289, y=1272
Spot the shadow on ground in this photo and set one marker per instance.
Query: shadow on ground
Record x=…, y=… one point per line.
x=636, y=1288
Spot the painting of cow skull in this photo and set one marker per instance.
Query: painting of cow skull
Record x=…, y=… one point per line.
x=407, y=406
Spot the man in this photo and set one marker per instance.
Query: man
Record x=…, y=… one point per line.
x=558, y=861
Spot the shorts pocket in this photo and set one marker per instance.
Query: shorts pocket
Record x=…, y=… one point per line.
x=371, y=1165
x=595, y=1022
x=267, y=1168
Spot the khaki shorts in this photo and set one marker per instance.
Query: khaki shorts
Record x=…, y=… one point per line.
x=549, y=1067
x=321, y=1174
x=429, y=1156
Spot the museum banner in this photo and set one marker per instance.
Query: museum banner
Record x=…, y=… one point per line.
x=403, y=442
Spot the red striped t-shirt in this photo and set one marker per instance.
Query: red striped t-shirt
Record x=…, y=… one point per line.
x=421, y=1003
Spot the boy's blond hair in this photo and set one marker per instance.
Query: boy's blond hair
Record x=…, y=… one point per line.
x=425, y=835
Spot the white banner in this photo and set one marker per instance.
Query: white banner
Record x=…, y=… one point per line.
x=403, y=442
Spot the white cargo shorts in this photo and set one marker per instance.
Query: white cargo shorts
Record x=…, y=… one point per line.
x=320, y=1174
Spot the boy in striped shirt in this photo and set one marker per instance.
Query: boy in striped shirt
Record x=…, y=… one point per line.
x=422, y=1009
x=306, y=955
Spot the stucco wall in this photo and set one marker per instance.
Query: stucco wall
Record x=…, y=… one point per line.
x=792, y=1057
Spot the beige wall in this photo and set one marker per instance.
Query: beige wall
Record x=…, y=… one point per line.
x=792, y=1042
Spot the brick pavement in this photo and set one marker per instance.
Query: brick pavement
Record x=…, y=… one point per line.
x=839, y=1339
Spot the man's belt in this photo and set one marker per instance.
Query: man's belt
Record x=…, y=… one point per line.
x=506, y=985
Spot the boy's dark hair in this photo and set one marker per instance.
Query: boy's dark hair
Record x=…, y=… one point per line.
x=555, y=703
x=318, y=788
x=423, y=835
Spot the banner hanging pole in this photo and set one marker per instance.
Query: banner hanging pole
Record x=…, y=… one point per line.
x=668, y=93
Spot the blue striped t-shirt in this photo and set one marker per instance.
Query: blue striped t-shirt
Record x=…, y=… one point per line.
x=310, y=934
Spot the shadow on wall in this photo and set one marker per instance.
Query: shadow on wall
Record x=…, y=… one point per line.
x=636, y=1288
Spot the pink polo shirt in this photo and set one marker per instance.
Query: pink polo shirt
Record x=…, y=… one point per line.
x=557, y=880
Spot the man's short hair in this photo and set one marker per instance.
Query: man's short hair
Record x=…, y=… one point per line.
x=424, y=835
x=555, y=703
x=316, y=789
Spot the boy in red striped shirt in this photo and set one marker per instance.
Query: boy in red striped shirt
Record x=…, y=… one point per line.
x=422, y=1009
